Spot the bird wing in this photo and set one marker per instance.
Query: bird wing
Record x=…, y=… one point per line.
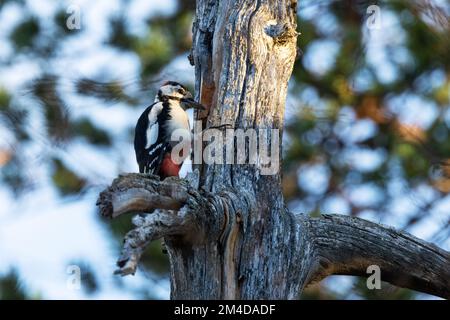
x=156, y=157
x=146, y=139
x=153, y=127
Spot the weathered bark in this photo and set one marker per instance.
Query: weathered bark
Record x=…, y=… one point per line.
x=230, y=235
x=345, y=245
x=245, y=50
x=318, y=247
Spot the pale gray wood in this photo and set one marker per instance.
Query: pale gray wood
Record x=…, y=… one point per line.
x=345, y=245
x=309, y=250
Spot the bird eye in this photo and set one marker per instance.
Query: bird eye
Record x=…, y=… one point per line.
x=181, y=91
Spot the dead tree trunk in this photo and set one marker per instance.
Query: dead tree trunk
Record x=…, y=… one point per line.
x=229, y=234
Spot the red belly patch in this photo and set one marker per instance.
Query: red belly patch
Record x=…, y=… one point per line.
x=168, y=167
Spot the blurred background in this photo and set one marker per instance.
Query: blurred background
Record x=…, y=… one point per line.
x=367, y=131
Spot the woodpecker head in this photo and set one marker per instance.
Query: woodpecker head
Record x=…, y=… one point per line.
x=174, y=91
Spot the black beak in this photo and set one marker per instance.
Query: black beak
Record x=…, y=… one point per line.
x=191, y=103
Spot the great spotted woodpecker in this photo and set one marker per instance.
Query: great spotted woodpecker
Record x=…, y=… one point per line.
x=152, y=140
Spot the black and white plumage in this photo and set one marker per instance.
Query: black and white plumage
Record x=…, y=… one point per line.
x=152, y=141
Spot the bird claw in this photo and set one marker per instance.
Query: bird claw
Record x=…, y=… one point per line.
x=151, y=176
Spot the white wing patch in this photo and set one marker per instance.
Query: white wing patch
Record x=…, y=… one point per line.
x=152, y=135
x=153, y=127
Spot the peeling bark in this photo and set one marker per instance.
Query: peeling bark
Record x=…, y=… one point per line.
x=228, y=234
